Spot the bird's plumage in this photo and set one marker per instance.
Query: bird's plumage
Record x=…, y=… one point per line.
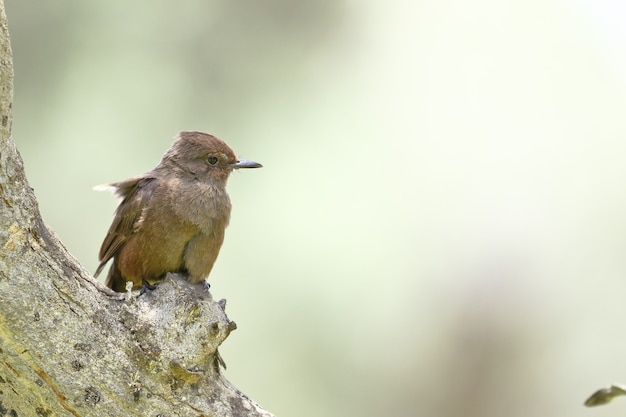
x=171, y=219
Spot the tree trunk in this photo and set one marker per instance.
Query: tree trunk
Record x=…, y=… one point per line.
x=71, y=347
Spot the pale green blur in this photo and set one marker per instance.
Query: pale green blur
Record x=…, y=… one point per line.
x=439, y=228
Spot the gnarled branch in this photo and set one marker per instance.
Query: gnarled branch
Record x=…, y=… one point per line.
x=70, y=346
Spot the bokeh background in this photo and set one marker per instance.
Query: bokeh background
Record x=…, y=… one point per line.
x=440, y=225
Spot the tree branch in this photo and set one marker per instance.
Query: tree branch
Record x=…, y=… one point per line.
x=71, y=347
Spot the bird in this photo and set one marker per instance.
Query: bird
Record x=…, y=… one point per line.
x=172, y=218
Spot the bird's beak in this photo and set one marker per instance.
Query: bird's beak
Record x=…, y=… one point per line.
x=244, y=163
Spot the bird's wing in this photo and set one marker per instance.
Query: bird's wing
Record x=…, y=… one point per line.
x=135, y=194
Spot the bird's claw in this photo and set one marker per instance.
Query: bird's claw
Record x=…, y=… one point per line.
x=146, y=287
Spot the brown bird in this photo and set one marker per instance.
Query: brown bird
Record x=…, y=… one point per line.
x=171, y=219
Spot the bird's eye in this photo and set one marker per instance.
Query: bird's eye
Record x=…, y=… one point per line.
x=212, y=160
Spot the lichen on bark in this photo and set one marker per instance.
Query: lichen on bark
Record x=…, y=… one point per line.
x=71, y=347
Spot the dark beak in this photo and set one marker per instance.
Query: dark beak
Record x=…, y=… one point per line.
x=244, y=163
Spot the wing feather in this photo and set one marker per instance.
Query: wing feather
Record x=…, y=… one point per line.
x=135, y=193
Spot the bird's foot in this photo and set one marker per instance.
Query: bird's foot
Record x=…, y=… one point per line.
x=146, y=287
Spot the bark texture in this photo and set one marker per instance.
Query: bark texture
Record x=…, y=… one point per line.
x=71, y=347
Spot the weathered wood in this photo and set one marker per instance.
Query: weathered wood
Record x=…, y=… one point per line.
x=71, y=347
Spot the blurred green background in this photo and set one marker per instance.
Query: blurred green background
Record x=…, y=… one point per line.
x=440, y=225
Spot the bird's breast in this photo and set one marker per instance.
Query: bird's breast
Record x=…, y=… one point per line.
x=205, y=206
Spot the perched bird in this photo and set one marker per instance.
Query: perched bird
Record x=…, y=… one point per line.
x=171, y=219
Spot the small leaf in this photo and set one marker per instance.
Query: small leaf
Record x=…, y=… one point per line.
x=605, y=395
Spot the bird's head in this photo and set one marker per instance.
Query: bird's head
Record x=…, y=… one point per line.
x=203, y=156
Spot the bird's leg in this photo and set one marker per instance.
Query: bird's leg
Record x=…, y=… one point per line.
x=146, y=287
